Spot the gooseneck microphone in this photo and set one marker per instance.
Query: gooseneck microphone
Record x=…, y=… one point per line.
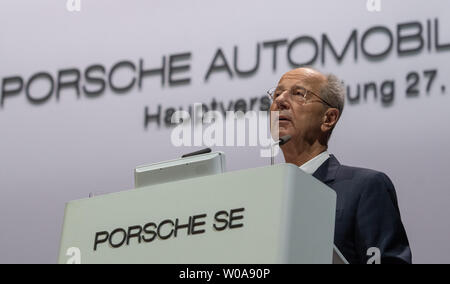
x=283, y=140
x=204, y=151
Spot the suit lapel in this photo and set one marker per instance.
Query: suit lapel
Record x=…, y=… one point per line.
x=326, y=173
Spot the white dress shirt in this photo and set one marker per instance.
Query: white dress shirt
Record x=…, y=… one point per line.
x=312, y=165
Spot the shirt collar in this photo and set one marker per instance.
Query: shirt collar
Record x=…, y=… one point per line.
x=312, y=165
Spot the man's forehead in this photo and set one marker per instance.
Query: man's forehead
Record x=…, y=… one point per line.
x=302, y=76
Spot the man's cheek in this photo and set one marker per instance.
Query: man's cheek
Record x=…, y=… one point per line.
x=287, y=129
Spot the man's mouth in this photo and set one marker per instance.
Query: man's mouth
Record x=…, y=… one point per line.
x=284, y=118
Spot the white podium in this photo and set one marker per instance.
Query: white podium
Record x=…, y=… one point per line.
x=266, y=215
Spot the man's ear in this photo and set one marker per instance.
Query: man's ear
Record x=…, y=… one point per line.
x=330, y=118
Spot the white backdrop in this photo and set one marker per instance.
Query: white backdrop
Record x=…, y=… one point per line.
x=63, y=150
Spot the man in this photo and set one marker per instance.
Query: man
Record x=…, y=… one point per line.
x=367, y=214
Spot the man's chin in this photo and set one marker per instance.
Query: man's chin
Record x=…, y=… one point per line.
x=283, y=133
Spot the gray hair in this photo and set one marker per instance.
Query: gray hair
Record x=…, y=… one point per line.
x=333, y=92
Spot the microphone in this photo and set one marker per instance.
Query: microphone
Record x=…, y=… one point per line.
x=283, y=140
x=204, y=151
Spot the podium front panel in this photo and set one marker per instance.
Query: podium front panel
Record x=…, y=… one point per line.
x=274, y=214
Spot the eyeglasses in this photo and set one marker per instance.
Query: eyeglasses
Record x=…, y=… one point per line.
x=296, y=93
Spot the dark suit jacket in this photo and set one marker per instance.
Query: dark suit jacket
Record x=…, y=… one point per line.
x=367, y=213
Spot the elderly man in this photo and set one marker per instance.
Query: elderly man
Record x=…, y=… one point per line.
x=367, y=214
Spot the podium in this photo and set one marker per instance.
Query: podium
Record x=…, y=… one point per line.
x=275, y=214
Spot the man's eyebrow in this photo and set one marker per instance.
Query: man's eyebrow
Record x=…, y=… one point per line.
x=299, y=86
x=282, y=87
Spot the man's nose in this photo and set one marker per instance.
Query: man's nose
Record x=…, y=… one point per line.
x=282, y=100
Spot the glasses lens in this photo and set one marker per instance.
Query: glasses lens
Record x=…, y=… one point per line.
x=299, y=92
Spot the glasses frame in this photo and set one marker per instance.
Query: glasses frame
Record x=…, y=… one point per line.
x=271, y=93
